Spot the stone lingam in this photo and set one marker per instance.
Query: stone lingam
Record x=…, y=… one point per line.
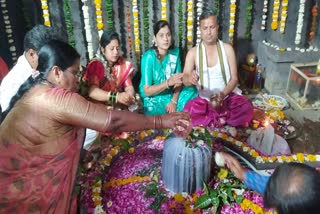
x=186, y=163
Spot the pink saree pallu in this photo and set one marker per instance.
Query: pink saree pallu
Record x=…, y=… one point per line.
x=39, y=178
x=236, y=110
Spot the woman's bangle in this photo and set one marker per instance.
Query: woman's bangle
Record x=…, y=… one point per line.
x=167, y=82
x=174, y=102
x=113, y=97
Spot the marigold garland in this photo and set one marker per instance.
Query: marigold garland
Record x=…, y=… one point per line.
x=45, y=11
x=313, y=28
x=284, y=15
x=264, y=14
x=300, y=22
x=249, y=205
x=136, y=29
x=163, y=9
x=275, y=14
x=232, y=21
x=109, y=6
x=99, y=21
x=8, y=30
x=189, y=23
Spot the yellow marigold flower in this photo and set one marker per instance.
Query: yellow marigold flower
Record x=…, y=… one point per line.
x=98, y=12
x=255, y=154
x=97, y=203
x=97, y=1
x=100, y=26
x=274, y=25
x=47, y=23
x=44, y=7
x=274, y=158
x=283, y=157
x=290, y=158
x=311, y=157
x=131, y=150
x=265, y=158
x=223, y=173
x=189, y=22
x=178, y=197
x=149, y=132
x=188, y=209
x=96, y=194
x=300, y=157
x=233, y=5
x=282, y=49
x=231, y=30
x=46, y=15
x=224, y=136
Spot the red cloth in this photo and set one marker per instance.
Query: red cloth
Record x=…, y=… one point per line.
x=121, y=72
x=3, y=69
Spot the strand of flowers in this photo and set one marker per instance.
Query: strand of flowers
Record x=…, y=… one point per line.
x=302, y=50
x=189, y=23
x=248, y=19
x=318, y=67
x=284, y=15
x=199, y=11
x=99, y=22
x=233, y=9
x=216, y=7
x=146, y=23
x=68, y=21
x=300, y=22
x=261, y=158
x=313, y=28
x=8, y=29
x=275, y=14
x=128, y=17
x=163, y=9
x=136, y=29
x=45, y=11
x=109, y=14
x=264, y=14
x=249, y=205
x=130, y=180
x=181, y=24
x=87, y=28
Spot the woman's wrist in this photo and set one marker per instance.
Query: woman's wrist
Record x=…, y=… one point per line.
x=167, y=84
x=174, y=102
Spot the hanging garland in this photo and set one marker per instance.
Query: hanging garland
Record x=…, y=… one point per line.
x=99, y=22
x=163, y=9
x=146, y=23
x=110, y=24
x=87, y=28
x=128, y=17
x=136, y=29
x=199, y=11
x=45, y=11
x=318, y=67
x=300, y=22
x=216, y=7
x=69, y=25
x=264, y=15
x=275, y=14
x=189, y=23
x=8, y=29
x=233, y=9
x=181, y=24
x=248, y=19
x=284, y=15
x=313, y=28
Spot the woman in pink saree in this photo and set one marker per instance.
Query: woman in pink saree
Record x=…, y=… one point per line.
x=108, y=75
x=42, y=132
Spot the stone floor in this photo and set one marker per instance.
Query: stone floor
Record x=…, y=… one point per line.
x=308, y=135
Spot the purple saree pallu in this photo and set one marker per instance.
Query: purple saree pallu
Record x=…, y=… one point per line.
x=236, y=110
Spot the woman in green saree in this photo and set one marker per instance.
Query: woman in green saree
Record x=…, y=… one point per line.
x=161, y=86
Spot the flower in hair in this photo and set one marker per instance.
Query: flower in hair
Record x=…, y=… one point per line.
x=35, y=73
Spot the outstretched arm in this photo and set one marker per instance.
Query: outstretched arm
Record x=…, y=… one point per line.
x=251, y=179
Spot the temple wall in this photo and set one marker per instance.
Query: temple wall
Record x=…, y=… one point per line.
x=275, y=51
